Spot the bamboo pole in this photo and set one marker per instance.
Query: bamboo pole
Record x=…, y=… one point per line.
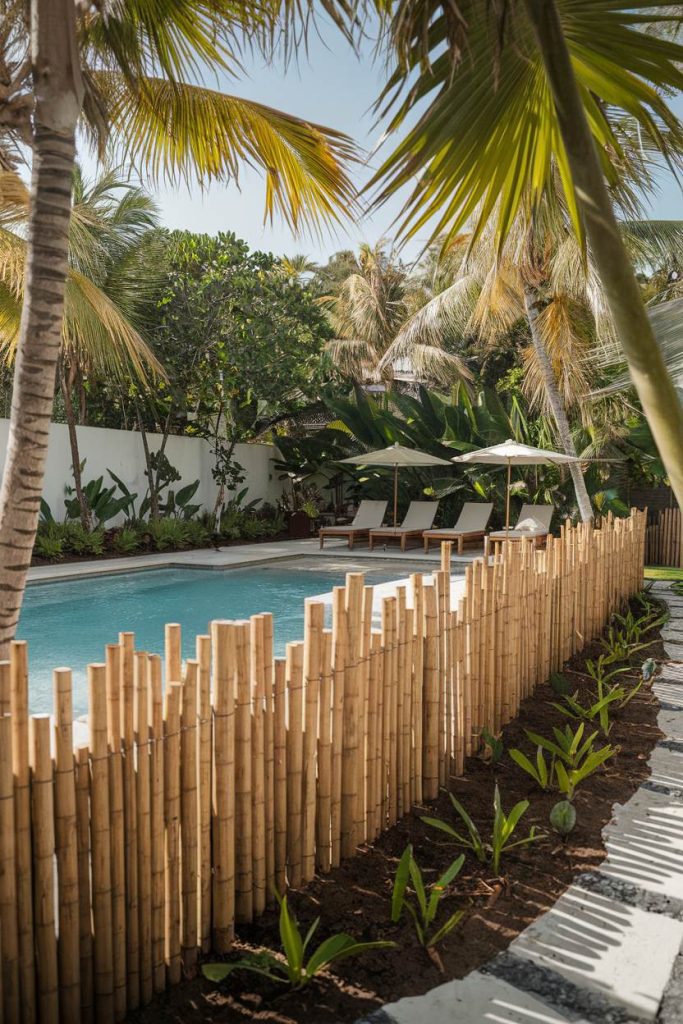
x=258, y=763
x=339, y=656
x=5, y=688
x=100, y=845
x=223, y=785
x=203, y=651
x=144, y=811
x=398, y=685
x=324, y=797
x=269, y=743
x=118, y=827
x=82, y=755
x=158, y=867
x=189, y=820
x=280, y=766
x=244, y=838
x=9, y=934
x=314, y=622
x=294, y=686
x=42, y=807
x=388, y=648
x=127, y=641
x=351, y=713
x=22, y=809
x=172, y=819
x=66, y=850
x=417, y=588
x=173, y=648
x=361, y=820
x=431, y=697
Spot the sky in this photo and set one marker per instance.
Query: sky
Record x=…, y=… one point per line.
x=331, y=86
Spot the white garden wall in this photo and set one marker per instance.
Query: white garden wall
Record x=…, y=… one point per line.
x=121, y=451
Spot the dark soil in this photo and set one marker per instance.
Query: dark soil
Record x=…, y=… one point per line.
x=356, y=896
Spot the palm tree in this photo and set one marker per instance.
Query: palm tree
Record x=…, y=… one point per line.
x=111, y=252
x=121, y=71
x=510, y=97
x=369, y=310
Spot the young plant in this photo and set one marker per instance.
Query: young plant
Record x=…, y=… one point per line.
x=568, y=745
x=539, y=772
x=472, y=841
x=504, y=828
x=296, y=969
x=493, y=746
x=569, y=778
x=560, y=684
x=563, y=817
x=501, y=836
x=426, y=907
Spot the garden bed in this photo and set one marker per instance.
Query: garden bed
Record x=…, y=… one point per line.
x=356, y=896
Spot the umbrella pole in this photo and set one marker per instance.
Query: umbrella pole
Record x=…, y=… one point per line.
x=395, y=495
x=507, y=498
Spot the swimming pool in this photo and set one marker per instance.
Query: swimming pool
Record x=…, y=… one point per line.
x=69, y=623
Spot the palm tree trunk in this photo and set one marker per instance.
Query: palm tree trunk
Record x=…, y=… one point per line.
x=58, y=91
x=532, y=306
x=67, y=382
x=658, y=397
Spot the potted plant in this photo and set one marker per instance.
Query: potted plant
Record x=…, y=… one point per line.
x=301, y=507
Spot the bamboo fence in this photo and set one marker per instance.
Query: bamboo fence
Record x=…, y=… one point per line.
x=663, y=539
x=237, y=772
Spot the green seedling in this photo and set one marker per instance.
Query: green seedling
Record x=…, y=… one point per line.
x=425, y=908
x=569, y=779
x=493, y=746
x=540, y=772
x=560, y=684
x=296, y=969
x=563, y=817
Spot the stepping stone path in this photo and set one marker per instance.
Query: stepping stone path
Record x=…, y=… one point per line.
x=611, y=949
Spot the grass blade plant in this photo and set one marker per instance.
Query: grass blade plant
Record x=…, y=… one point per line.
x=294, y=969
x=539, y=772
x=426, y=906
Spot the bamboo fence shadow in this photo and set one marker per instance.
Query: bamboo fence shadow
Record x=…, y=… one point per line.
x=206, y=785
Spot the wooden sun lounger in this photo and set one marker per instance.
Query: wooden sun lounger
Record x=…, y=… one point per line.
x=542, y=513
x=471, y=526
x=419, y=518
x=369, y=515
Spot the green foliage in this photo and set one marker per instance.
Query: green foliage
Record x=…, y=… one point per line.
x=167, y=534
x=126, y=540
x=501, y=834
x=81, y=542
x=100, y=501
x=49, y=542
x=540, y=772
x=563, y=817
x=559, y=683
x=568, y=780
x=493, y=746
x=298, y=967
x=178, y=503
x=425, y=907
x=573, y=758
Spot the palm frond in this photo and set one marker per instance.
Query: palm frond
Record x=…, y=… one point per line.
x=355, y=358
x=178, y=132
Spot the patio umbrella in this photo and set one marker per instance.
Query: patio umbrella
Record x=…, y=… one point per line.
x=396, y=455
x=511, y=453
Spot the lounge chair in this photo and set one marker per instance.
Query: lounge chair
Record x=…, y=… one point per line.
x=533, y=524
x=471, y=525
x=419, y=517
x=369, y=515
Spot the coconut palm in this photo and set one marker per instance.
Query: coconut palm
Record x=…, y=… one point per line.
x=368, y=311
x=111, y=251
x=121, y=71
x=513, y=95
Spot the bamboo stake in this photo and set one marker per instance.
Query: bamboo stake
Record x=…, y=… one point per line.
x=244, y=848
x=127, y=641
x=204, y=786
x=100, y=845
x=398, y=686
x=258, y=763
x=351, y=713
x=172, y=817
x=418, y=682
x=431, y=697
x=42, y=807
x=388, y=647
x=84, y=884
x=22, y=809
x=9, y=933
x=324, y=808
x=118, y=828
x=339, y=656
x=189, y=819
x=280, y=781
x=66, y=850
x=144, y=810
x=157, y=823
x=314, y=622
x=294, y=686
x=5, y=688
x=269, y=742
x=223, y=788
x=173, y=648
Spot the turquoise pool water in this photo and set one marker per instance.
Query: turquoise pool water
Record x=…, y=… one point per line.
x=69, y=623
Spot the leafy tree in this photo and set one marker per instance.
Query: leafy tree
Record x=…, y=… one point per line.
x=241, y=342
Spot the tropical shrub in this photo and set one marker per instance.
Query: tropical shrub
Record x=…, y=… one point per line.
x=425, y=907
x=49, y=542
x=167, y=534
x=294, y=970
x=126, y=540
x=101, y=502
